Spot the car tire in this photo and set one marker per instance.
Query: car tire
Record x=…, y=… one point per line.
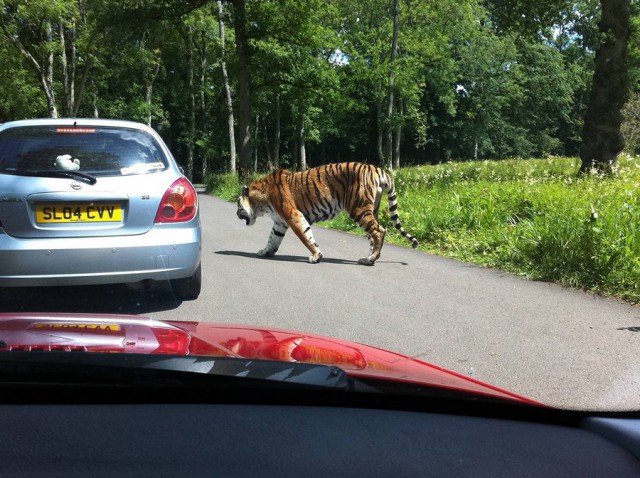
x=189, y=287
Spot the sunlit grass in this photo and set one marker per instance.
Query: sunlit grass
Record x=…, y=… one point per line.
x=225, y=186
x=533, y=217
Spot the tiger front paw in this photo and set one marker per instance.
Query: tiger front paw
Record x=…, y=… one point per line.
x=366, y=261
x=266, y=252
x=314, y=259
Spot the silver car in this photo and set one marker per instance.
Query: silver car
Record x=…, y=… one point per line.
x=95, y=202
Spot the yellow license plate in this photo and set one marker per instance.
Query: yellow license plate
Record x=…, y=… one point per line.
x=57, y=213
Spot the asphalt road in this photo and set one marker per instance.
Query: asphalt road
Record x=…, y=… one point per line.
x=561, y=347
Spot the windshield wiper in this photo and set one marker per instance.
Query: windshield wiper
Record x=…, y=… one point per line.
x=87, y=178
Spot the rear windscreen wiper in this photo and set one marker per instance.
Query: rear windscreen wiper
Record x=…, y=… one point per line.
x=60, y=174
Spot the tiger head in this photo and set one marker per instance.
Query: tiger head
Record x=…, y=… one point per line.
x=252, y=204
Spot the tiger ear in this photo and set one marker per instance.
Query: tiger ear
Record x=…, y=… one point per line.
x=245, y=191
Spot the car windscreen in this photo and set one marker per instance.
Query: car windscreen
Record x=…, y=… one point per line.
x=98, y=151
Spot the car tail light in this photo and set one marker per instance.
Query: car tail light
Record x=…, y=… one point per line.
x=179, y=203
x=171, y=342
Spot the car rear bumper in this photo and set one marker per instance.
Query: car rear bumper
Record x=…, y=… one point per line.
x=163, y=253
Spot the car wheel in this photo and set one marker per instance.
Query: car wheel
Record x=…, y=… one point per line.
x=188, y=288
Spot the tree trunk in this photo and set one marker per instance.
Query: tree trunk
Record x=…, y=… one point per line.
x=192, y=105
x=65, y=71
x=69, y=60
x=276, y=141
x=69, y=63
x=476, y=135
x=88, y=59
x=203, y=104
x=302, y=153
x=380, y=135
x=601, y=137
x=398, y=135
x=48, y=78
x=85, y=76
x=227, y=92
x=256, y=132
x=392, y=84
x=267, y=146
x=149, y=90
x=72, y=75
x=244, y=92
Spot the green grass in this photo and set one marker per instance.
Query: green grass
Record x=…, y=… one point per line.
x=536, y=218
x=225, y=186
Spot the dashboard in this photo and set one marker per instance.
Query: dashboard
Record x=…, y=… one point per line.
x=279, y=439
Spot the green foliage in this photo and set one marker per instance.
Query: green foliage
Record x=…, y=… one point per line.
x=529, y=17
x=19, y=93
x=485, y=79
x=292, y=45
x=634, y=47
x=226, y=186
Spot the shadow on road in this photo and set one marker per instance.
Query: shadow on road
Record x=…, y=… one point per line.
x=283, y=258
x=112, y=299
x=303, y=259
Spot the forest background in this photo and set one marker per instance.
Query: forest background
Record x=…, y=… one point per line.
x=297, y=83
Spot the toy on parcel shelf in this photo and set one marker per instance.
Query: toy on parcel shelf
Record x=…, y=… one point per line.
x=66, y=163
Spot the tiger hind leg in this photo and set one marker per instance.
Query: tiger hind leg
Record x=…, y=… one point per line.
x=375, y=233
x=376, y=240
x=376, y=209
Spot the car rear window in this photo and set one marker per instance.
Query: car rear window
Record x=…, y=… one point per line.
x=99, y=151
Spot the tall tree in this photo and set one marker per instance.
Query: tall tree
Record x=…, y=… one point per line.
x=392, y=84
x=20, y=94
x=30, y=29
x=601, y=136
x=485, y=87
x=244, y=89
x=227, y=93
x=191, y=131
x=292, y=47
x=367, y=34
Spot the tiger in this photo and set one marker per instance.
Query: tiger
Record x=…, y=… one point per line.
x=297, y=200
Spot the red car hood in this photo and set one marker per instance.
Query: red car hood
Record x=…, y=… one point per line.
x=135, y=334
